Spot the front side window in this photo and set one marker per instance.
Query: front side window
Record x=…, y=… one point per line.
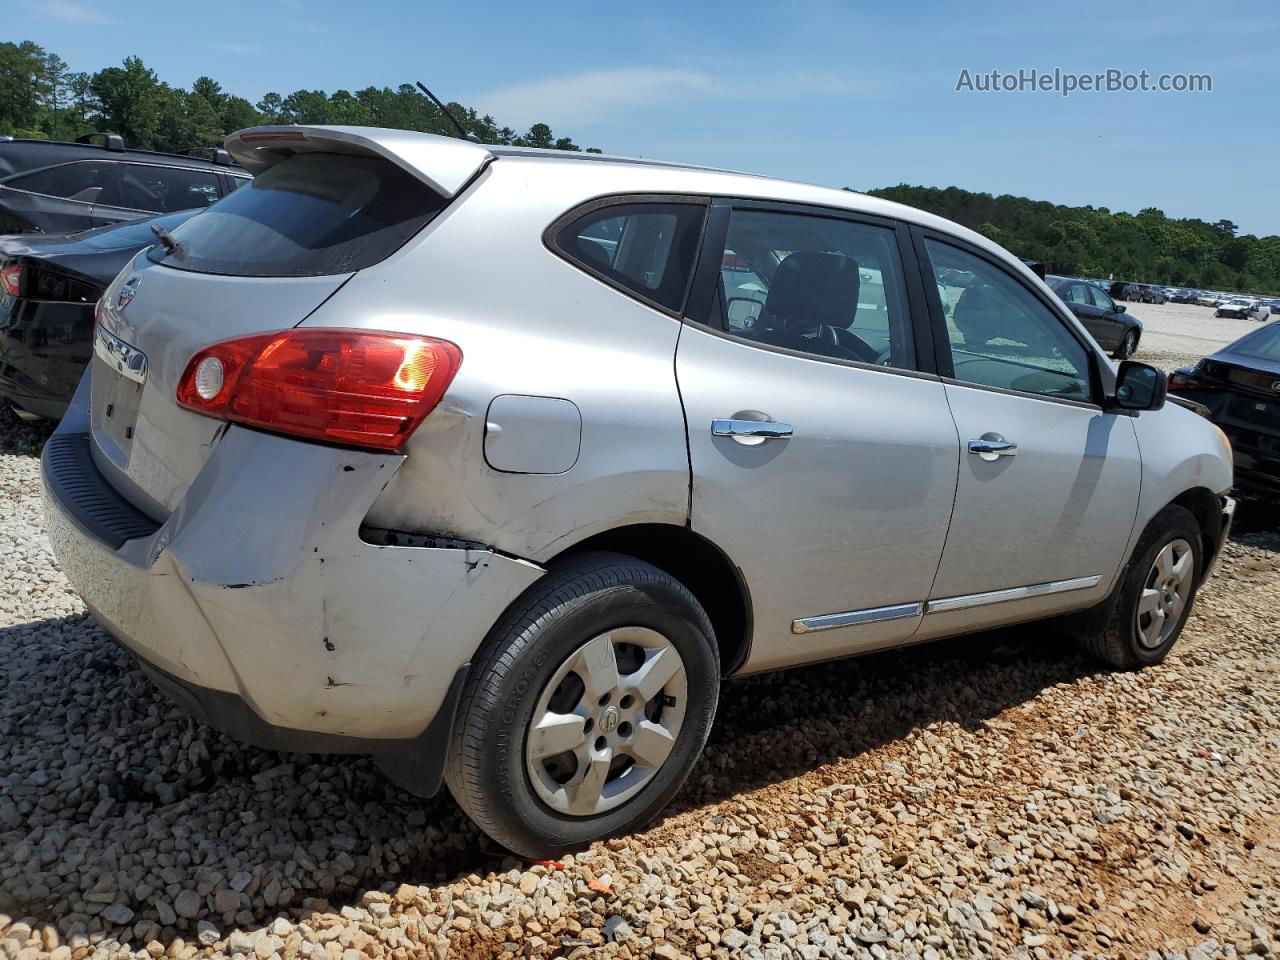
x=1001, y=334
x=1100, y=299
x=165, y=189
x=648, y=249
x=81, y=181
x=824, y=286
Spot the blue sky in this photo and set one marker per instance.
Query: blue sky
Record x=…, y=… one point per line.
x=841, y=94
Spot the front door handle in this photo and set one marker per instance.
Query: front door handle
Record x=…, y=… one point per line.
x=992, y=446
x=750, y=429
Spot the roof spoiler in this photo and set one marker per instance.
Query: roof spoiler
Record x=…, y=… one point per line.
x=444, y=164
x=111, y=141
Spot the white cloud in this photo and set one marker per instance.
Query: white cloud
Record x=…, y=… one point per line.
x=68, y=11
x=598, y=94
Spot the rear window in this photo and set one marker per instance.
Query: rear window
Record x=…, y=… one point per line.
x=135, y=233
x=313, y=214
x=1265, y=344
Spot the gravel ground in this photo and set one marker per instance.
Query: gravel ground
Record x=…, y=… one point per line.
x=993, y=796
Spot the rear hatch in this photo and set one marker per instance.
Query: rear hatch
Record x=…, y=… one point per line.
x=326, y=202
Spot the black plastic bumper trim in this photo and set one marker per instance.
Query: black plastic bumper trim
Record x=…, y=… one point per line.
x=84, y=493
x=416, y=764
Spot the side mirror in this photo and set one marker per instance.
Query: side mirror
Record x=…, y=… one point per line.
x=1121, y=308
x=1140, y=386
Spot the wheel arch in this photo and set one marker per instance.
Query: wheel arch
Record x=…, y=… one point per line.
x=1206, y=507
x=696, y=562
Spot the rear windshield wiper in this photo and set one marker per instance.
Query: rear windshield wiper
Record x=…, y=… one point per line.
x=171, y=245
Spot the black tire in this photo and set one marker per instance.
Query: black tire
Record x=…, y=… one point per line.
x=1117, y=643
x=1128, y=345
x=589, y=594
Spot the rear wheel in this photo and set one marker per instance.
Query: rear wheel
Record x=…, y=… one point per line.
x=1156, y=594
x=1128, y=345
x=587, y=707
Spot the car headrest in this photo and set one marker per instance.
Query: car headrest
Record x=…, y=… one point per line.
x=811, y=288
x=980, y=314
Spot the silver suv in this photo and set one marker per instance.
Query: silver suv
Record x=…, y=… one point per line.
x=493, y=463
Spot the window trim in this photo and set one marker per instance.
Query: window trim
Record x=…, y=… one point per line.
x=707, y=274
x=575, y=213
x=942, y=339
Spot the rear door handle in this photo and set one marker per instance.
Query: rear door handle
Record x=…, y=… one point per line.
x=752, y=429
x=992, y=446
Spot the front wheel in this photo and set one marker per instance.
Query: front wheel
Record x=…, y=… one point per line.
x=587, y=707
x=1156, y=594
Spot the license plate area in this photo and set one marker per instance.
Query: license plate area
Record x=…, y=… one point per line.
x=1256, y=412
x=114, y=401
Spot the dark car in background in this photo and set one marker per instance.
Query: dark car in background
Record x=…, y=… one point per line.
x=1121, y=290
x=48, y=288
x=1240, y=387
x=55, y=187
x=1116, y=330
x=1149, y=294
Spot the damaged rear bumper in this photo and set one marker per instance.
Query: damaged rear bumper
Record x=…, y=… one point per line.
x=258, y=607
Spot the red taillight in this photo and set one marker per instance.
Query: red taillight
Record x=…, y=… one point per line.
x=11, y=279
x=358, y=387
x=1184, y=381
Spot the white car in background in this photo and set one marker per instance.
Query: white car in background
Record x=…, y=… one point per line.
x=1259, y=310
x=1244, y=308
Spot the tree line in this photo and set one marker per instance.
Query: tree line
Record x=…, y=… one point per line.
x=41, y=97
x=1146, y=247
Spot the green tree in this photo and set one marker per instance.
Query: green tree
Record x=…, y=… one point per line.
x=41, y=97
x=132, y=100
x=22, y=80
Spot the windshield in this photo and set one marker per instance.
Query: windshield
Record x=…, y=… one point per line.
x=1265, y=344
x=135, y=233
x=310, y=215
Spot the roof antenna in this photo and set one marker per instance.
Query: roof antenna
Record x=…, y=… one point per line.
x=462, y=131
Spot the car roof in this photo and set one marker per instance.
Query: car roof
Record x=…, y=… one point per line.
x=18, y=156
x=450, y=162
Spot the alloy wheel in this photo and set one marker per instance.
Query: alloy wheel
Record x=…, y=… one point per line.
x=606, y=721
x=1165, y=593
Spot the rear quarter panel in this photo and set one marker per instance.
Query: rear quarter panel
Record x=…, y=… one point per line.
x=528, y=323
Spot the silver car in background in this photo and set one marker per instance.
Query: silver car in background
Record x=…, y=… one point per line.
x=493, y=463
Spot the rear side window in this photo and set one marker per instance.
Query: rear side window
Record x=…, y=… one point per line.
x=310, y=215
x=647, y=249
x=164, y=189
x=74, y=181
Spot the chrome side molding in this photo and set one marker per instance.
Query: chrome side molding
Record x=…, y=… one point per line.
x=902, y=611
x=854, y=618
x=1013, y=593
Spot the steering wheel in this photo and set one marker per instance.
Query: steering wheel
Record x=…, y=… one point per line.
x=850, y=343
